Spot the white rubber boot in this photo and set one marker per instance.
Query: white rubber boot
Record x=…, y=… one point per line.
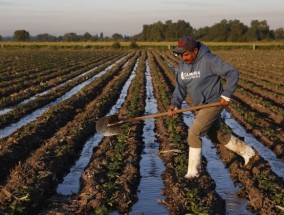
x=241, y=148
x=194, y=163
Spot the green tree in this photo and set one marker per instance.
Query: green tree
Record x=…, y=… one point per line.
x=225, y=30
x=157, y=32
x=237, y=31
x=46, y=38
x=145, y=32
x=116, y=45
x=133, y=45
x=71, y=37
x=0, y=38
x=101, y=36
x=183, y=28
x=87, y=36
x=117, y=37
x=279, y=33
x=169, y=31
x=21, y=35
x=202, y=33
x=259, y=30
x=219, y=31
x=95, y=38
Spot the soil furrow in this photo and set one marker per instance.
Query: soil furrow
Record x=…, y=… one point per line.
x=182, y=195
x=20, y=144
x=37, y=177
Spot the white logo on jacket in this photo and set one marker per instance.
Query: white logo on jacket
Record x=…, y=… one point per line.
x=190, y=75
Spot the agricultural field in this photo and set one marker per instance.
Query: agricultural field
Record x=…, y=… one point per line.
x=53, y=161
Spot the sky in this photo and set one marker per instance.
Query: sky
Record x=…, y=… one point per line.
x=127, y=17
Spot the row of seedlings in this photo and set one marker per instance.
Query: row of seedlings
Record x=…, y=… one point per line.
x=260, y=121
x=111, y=179
x=12, y=94
x=253, y=69
x=268, y=86
x=272, y=105
x=273, y=95
x=21, y=66
x=18, y=64
x=259, y=184
x=21, y=143
x=182, y=195
x=33, y=181
x=41, y=100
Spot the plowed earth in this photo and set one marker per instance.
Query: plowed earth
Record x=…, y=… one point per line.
x=35, y=158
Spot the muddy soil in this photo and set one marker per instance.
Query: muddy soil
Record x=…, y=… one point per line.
x=262, y=200
x=110, y=181
x=104, y=189
x=182, y=195
x=34, y=181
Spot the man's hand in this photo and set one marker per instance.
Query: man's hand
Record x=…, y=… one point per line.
x=172, y=110
x=224, y=102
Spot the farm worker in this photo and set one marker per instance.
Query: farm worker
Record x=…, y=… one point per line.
x=199, y=75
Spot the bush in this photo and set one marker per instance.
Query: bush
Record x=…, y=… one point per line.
x=116, y=45
x=133, y=45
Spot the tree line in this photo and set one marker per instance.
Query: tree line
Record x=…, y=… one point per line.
x=224, y=31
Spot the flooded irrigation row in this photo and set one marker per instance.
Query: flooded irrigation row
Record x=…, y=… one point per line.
x=151, y=166
x=71, y=182
x=5, y=132
x=140, y=171
x=87, y=121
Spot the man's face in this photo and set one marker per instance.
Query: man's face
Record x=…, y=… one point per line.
x=189, y=56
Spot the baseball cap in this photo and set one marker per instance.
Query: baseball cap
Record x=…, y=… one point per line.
x=184, y=44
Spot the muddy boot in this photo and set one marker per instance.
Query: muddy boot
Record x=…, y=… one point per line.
x=241, y=148
x=194, y=163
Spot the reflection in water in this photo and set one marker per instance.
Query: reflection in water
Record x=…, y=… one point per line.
x=6, y=110
x=71, y=182
x=5, y=132
x=151, y=166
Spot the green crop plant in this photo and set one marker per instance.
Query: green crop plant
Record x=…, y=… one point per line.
x=279, y=199
x=266, y=184
x=20, y=202
x=181, y=163
x=101, y=210
x=109, y=188
x=249, y=117
x=225, y=129
x=272, y=133
x=174, y=137
x=193, y=203
x=60, y=151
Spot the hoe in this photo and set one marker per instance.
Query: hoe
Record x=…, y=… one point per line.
x=110, y=125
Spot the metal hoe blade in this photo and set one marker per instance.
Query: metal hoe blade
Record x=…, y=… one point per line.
x=103, y=128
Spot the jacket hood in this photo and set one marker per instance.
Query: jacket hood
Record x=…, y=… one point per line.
x=203, y=49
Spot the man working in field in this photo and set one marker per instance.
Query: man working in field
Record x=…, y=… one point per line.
x=199, y=76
